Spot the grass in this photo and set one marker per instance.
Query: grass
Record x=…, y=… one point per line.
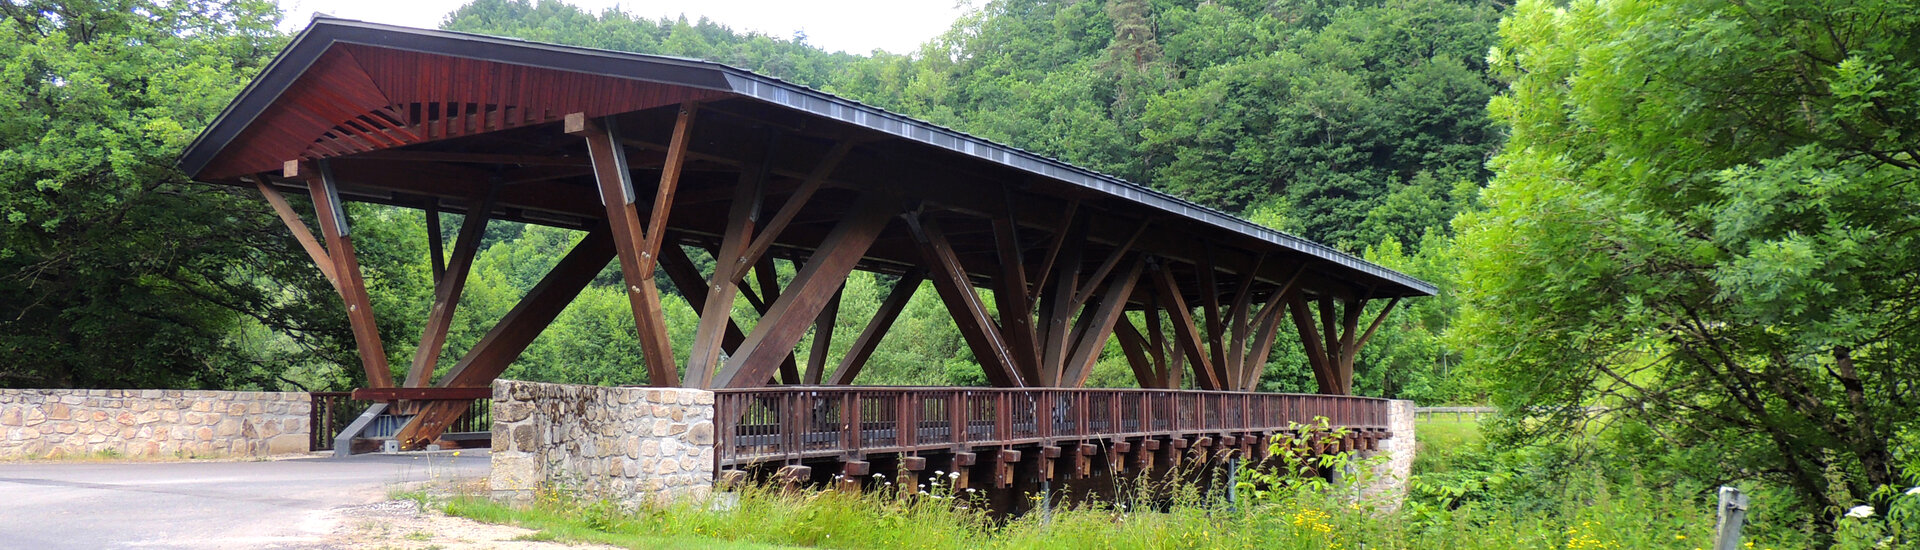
x=764, y=518
x=1440, y=439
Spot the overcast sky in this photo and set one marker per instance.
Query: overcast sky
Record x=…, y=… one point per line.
x=857, y=26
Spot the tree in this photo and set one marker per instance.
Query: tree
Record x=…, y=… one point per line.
x=1707, y=219
x=114, y=270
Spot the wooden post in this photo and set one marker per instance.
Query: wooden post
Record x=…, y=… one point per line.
x=637, y=246
x=969, y=314
x=1731, y=513
x=716, y=309
x=870, y=337
x=321, y=259
x=775, y=335
x=823, y=338
x=447, y=289
x=325, y=191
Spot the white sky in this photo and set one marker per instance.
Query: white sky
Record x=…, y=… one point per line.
x=857, y=26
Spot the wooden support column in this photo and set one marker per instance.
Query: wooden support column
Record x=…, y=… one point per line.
x=436, y=244
x=637, y=246
x=1011, y=298
x=882, y=320
x=1058, y=308
x=294, y=224
x=1113, y=305
x=325, y=191
x=1210, y=311
x=1314, y=347
x=716, y=310
x=823, y=338
x=517, y=329
x=1266, y=328
x=686, y=277
x=969, y=314
x=775, y=335
x=447, y=288
x=1134, y=347
x=1185, y=333
x=508, y=338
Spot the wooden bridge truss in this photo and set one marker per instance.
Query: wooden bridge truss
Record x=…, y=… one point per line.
x=652, y=156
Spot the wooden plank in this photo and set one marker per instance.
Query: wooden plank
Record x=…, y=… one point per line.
x=823, y=338
x=324, y=190
x=447, y=290
x=299, y=229
x=777, y=332
x=1185, y=333
x=392, y=394
x=876, y=330
x=504, y=342
x=634, y=247
x=1113, y=305
x=969, y=314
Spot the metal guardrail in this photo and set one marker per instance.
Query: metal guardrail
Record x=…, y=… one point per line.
x=333, y=411
x=793, y=423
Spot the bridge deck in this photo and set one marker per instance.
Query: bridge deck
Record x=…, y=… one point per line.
x=791, y=424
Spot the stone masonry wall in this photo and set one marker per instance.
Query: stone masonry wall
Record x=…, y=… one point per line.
x=1388, y=485
x=151, y=423
x=632, y=445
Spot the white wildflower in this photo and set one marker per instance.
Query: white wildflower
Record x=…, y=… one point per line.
x=1914, y=491
x=955, y=475
x=1861, y=511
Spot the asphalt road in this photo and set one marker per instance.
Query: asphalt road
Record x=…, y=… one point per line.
x=292, y=503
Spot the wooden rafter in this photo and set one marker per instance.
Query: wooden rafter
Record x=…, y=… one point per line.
x=791, y=208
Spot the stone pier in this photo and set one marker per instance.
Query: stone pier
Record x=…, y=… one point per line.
x=634, y=445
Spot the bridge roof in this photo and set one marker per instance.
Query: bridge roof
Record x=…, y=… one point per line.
x=416, y=117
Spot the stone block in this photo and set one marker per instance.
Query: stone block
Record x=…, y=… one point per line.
x=12, y=416
x=700, y=434
x=287, y=444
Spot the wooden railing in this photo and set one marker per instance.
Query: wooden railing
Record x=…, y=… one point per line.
x=792, y=423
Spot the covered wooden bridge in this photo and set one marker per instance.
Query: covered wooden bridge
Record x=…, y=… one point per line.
x=649, y=155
